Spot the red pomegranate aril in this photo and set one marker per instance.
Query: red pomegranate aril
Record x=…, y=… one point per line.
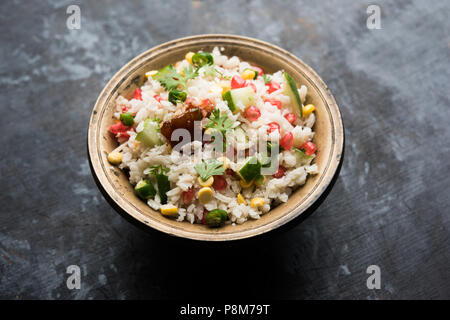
x=273, y=126
x=273, y=86
x=219, y=183
x=118, y=127
x=252, y=113
x=287, y=141
x=309, y=147
x=274, y=102
x=137, y=94
x=290, y=117
x=237, y=82
x=280, y=172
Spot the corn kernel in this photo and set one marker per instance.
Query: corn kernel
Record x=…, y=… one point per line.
x=241, y=199
x=169, y=210
x=115, y=158
x=205, y=195
x=257, y=202
x=308, y=109
x=245, y=184
x=226, y=162
x=207, y=183
x=248, y=74
x=189, y=56
x=151, y=73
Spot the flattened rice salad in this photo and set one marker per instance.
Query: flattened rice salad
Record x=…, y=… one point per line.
x=215, y=140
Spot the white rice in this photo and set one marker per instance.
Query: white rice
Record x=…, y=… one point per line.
x=182, y=175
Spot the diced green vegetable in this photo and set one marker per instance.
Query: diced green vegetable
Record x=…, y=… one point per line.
x=290, y=88
x=216, y=217
x=127, y=119
x=145, y=189
x=251, y=169
x=177, y=96
x=150, y=135
x=244, y=95
x=163, y=183
x=226, y=96
x=259, y=180
x=201, y=58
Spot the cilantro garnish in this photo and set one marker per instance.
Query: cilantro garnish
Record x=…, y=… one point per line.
x=171, y=79
x=267, y=79
x=218, y=122
x=209, y=168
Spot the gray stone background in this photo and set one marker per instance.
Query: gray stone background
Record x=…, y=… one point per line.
x=390, y=206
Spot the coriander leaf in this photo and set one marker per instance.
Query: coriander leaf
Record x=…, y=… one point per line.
x=209, y=168
x=218, y=122
x=210, y=70
x=168, y=77
x=267, y=79
x=189, y=73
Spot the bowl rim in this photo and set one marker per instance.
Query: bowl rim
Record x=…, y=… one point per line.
x=103, y=181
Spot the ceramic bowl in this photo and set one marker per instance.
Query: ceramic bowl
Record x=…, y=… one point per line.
x=329, y=135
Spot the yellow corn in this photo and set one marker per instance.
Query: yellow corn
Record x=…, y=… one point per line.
x=151, y=73
x=308, y=109
x=241, y=199
x=245, y=184
x=248, y=74
x=169, y=210
x=115, y=158
x=257, y=202
x=260, y=182
x=205, y=195
x=207, y=183
x=226, y=162
x=189, y=56
x=225, y=85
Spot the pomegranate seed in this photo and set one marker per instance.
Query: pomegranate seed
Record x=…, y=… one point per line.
x=273, y=86
x=280, y=172
x=287, y=141
x=237, y=82
x=137, y=94
x=290, y=117
x=188, y=196
x=274, y=102
x=309, y=147
x=273, y=126
x=252, y=113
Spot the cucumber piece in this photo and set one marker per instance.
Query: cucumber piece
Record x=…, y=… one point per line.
x=145, y=189
x=244, y=95
x=226, y=96
x=290, y=88
x=251, y=169
x=149, y=136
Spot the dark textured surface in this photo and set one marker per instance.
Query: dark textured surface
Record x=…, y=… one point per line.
x=390, y=206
